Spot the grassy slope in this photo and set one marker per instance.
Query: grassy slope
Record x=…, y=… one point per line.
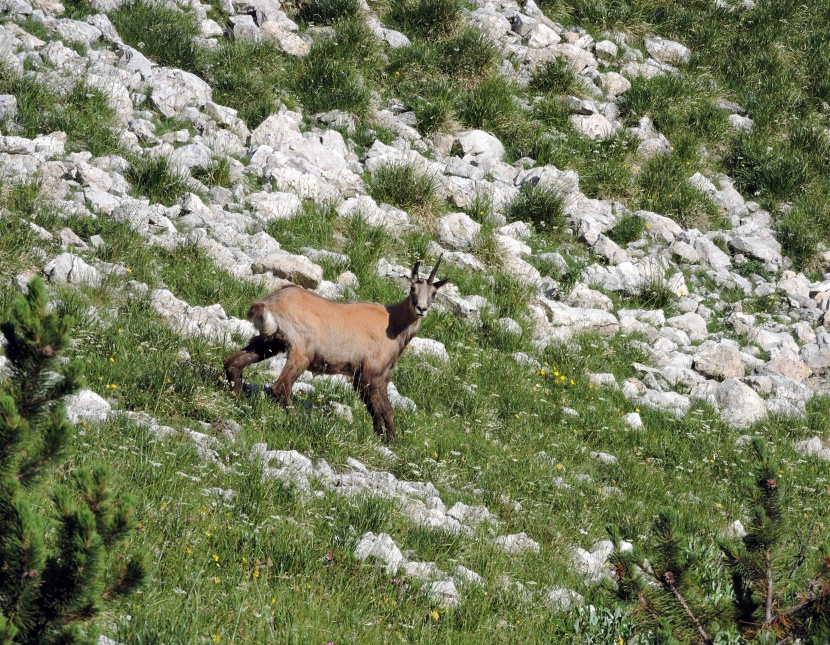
x=255, y=569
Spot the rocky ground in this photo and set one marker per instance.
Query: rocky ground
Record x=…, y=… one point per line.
x=735, y=330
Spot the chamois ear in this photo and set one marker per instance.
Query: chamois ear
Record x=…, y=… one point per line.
x=439, y=284
x=415, y=273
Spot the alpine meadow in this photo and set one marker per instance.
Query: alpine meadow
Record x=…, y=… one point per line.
x=612, y=420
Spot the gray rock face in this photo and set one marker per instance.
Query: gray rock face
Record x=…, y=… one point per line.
x=594, y=126
x=87, y=405
x=562, y=599
x=381, y=547
x=691, y=323
x=614, y=84
x=813, y=448
x=516, y=544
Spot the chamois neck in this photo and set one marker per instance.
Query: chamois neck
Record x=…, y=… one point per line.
x=402, y=321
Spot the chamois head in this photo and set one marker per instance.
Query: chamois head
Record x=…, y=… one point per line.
x=422, y=292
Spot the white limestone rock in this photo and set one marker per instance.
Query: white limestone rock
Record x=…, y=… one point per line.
x=668, y=51
x=458, y=230
x=719, y=362
x=516, y=544
x=71, y=269
x=296, y=268
x=381, y=547
x=561, y=599
x=86, y=405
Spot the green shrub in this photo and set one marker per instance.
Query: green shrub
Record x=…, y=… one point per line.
x=57, y=569
x=161, y=33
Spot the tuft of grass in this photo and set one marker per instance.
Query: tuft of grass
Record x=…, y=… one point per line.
x=554, y=77
x=84, y=113
x=653, y=292
x=467, y=55
x=664, y=188
x=403, y=186
x=161, y=32
x=629, y=229
x=314, y=227
x=802, y=228
x=326, y=12
x=323, y=83
x=489, y=106
x=218, y=173
x=154, y=178
x=542, y=207
x=424, y=18
x=765, y=166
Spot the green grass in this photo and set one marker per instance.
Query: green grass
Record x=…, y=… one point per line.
x=424, y=18
x=163, y=34
x=248, y=77
x=274, y=565
x=216, y=174
x=326, y=12
x=83, y=113
x=297, y=579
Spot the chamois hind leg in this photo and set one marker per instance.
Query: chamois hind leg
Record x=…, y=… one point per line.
x=294, y=367
x=255, y=351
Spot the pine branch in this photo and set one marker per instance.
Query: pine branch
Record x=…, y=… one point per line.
x=670, y=581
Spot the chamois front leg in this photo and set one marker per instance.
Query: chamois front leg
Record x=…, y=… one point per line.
x=294, y=367
x=381, y=409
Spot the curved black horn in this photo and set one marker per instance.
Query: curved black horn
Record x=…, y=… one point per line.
x=415, y=270
x=434, y=269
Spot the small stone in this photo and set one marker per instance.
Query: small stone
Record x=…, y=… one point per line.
x=517, y=543
x=633, y=420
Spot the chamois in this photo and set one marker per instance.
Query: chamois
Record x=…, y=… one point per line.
x=361, y=340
